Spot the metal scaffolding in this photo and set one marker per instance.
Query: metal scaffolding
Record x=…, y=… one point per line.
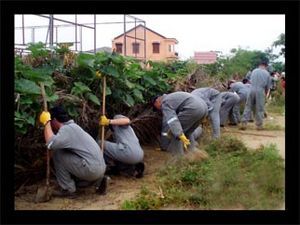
x=51, y=41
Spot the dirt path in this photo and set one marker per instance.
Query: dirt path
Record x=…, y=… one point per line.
x=122, y=188
x=263, y=137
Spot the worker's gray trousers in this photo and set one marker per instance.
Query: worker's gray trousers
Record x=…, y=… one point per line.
x=121, y=152
x=236, y=111
x=190, y=121
x=214, y=115
x=236, y=115
x=67, y=165
x=194, y=138
x=255, y=102
x=227, y=108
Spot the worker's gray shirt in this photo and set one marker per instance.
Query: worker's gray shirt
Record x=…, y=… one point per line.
x=207, y=94
x=241, y=89
x=260, y=79
x=125, y=135
x=126, y=147
x=73, y=138
x=174, y=103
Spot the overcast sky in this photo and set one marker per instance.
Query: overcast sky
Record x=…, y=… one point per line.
x=193, y=32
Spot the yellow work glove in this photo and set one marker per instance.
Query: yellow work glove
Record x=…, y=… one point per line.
x=184, y=140
x=45, y=117
x=104, y=121
x=98, y=74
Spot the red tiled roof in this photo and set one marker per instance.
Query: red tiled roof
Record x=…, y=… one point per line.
x=140, y=25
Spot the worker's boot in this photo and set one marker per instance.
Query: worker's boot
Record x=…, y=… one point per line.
x=139, y=170
x=101, y=185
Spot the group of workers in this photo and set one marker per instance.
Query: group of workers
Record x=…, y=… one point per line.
x=79, y=160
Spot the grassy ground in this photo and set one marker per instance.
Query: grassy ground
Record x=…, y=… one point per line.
x=231, y=177
x=276, y=104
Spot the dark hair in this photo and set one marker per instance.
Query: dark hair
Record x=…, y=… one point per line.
x=264, y=62
x=245, y=81
x=153, y=99
x=59, y=114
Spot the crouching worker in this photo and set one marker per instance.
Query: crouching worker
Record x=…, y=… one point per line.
x=182, y=114
x=125, y=155
x=76, y=155
x=229, y=101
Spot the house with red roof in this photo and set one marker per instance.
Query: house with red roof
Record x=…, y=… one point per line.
x=145, y=44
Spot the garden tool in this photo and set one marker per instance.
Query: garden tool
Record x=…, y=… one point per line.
x=103, y=111
x=43, y=193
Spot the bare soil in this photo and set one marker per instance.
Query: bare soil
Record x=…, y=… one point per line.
x=123, y=188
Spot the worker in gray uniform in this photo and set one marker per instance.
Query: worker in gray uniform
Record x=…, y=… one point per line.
x=76, y=155
x=243, y=91
x=229, y=100
x=261, y=82
x=125, y=155
x=182, y=114
x=213, y=100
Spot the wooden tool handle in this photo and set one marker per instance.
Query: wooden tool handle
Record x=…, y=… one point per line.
x=103, y=111
x=48, y=152
x=44, y=96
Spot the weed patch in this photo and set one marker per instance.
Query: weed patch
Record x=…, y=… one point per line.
x=231, y=177
x=272, y=126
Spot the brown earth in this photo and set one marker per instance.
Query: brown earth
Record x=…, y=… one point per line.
x=123, y=188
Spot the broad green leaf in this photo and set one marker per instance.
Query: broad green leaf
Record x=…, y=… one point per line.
x=139, y=87
x=111, y=71
x=52, y=98
x=138, y=94
x=149, y=80
x=27, y=87
x=129, y=84
x=30, y=120
x=80, y=88
x=26, y=100
x=40, y=75
x=87, y=60
x=108, y=91
x=101, y=58
x=129, y=100
x=93, y=98
x=118, y=59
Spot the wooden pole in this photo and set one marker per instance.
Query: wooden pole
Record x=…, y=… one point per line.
x=48, y=153
x=103, y=110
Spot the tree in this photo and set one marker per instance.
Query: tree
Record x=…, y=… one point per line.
x=280, y=42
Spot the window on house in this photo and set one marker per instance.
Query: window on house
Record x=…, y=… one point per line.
x=119, y=47
x=155, y=47
x=135, y=48
x=170, y=48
